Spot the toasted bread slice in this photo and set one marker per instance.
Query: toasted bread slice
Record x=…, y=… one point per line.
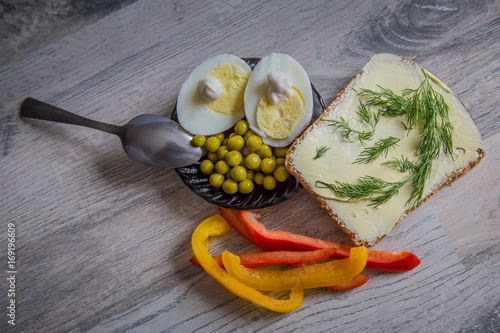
x=364, y=223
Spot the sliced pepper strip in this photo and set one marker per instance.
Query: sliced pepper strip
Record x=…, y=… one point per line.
x=358, y=281
x=277, y=257
x=248, y=226
x=305, y=277
x=216, y=226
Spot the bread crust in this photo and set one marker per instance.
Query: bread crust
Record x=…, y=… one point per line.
x=353, y=237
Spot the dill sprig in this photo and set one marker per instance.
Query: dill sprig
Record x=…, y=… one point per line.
x=320, y=152
x=381, y=147
x=348, y=131
x=402, y=165
x=423, y=107
x=368, y=117
x=374, y=189
x=419, y=178
x=392, y=104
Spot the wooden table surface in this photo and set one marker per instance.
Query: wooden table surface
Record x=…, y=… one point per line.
x=102, y=244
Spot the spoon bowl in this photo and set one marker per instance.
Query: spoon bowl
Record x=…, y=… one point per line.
x=148, y=139
x=159, y=142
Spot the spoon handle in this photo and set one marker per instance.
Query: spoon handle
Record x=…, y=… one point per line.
x=32, y=108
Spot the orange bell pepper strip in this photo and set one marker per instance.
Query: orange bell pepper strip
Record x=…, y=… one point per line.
x=305, y=277
x=216, y=226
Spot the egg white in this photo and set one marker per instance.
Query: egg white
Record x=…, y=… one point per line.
x=257, y=87
x=192, y=111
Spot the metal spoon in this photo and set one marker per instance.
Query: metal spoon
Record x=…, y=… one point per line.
x=148, y=139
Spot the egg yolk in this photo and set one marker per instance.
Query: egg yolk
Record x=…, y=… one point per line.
x=278, y=120
x=233, y=80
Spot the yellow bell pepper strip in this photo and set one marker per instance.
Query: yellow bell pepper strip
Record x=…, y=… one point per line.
x=306, y=277
x=358, y=281
x=217, y=226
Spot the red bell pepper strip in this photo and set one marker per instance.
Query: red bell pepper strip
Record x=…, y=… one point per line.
x=354, y=283
x=248, y=226
x=251, y=260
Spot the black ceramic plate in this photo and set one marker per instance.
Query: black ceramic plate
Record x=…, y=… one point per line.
x=260, y=197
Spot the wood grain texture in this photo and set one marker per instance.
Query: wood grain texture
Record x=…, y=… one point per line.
x=103, y=243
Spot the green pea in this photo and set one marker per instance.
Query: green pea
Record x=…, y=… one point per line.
x=212, y=144
x=246, y=151
x=250, y=174
x=241, y=127
x=216, y=179
x=269, y=182
x=280, y=173
x=236, y=142
x=280, y=151
x=199, y=140
x=233, y=158
x=252, y=161
x=258, y=178
x=207, y=167
x=280, y=161
x=238, y=173
x=268, y=165
x=229, y=186
x=248, y=134
x=245, y=186
x=264, y=151
x=212, y=157
x=221, y=167
x=221, y=152
x=254, y=143
x=220, y=137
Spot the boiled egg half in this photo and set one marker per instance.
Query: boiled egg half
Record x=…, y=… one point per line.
x=211, y=100
x=278, y=99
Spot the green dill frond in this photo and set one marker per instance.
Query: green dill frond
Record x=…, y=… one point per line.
x=343, y=125
x=391, y=104
x=347, y=131
x=402, y=165
x=320, y=152
x=387, y=194
x=365, y=187
x=381, y=147
x=374, y=189
x=364, y=114
x=424, y=108
x=419, y=179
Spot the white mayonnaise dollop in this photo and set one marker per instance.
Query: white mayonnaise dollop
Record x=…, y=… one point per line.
x=210, y=89
x=280, y=87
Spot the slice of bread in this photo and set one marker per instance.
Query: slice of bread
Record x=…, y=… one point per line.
x=364, y=223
